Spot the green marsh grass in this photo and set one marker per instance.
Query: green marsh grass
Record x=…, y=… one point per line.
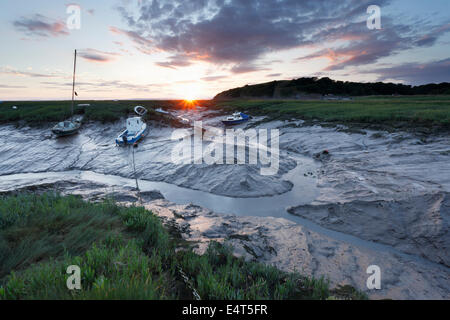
x=123, y=253
x=44, y=112
x=423, y=110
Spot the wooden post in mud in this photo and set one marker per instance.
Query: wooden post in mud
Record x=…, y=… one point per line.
x=135, y=176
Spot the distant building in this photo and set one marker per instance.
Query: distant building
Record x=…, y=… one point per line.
x=332, y=97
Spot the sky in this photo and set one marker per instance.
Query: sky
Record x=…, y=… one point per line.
x=178, y=49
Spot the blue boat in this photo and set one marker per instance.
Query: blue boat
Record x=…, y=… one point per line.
x=136, y=128
x=236, y=118
x=135, y=131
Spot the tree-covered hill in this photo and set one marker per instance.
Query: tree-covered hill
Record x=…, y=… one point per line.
x=323, y=86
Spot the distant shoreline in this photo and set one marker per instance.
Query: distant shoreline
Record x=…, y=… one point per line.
x=419, y=113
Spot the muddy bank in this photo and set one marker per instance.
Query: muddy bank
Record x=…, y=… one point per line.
x=376, y=165
x=279, y=242
x=370, y=166
x=35, y=150
x=384, y=194
x=292, y=247
x=417, y=225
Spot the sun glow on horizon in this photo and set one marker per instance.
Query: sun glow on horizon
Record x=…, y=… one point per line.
x=189, y=92
x=189, y=103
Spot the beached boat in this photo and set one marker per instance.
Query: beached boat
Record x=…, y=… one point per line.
x=136, y=129
x=140, y=110
x=236, y=118
x=69, y=127
x=160, y=110
x=66, y=128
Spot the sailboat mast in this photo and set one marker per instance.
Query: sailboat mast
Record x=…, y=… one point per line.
x=73, y=84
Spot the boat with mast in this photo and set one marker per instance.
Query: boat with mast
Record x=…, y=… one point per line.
x=69, y=127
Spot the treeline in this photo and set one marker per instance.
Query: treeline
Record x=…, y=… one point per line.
x=325, y=86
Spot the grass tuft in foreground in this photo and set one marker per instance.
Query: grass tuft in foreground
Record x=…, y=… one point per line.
x=123, y=253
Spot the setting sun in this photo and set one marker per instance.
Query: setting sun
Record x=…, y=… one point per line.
x=189, y=92
x=188, y=103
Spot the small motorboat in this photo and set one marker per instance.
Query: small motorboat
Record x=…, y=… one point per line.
x=236, y=118
x=135, y=131
x=66, y=128
x=160, y=110
x=184, y=120
x=140, y=110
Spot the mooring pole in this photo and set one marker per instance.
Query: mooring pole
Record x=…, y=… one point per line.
x=135, y=176
x=73, y=81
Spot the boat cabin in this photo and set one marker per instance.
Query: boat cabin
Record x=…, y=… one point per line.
x=134, y=125
x=66, y=125
x=235, y=116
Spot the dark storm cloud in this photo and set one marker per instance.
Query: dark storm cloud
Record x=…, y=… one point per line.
x=39, y=25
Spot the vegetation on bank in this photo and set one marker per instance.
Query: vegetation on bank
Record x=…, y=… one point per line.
x=322, y=86
x=125, y=253
x=395, y=111
x=413, y=110
x=45, y=112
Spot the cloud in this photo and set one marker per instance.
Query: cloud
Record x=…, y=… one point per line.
x=101, y=85
x=362, y=47
x=5, y=86
x=430, y=38
x=245, y=68
x=417, y=73
x=213, y=78
x=39, y=25
x=238, y=33
x=18, y=73
x=94, y=55
x=273, y=75
x=122, y=85
x=176, y=61
x=141, y=43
